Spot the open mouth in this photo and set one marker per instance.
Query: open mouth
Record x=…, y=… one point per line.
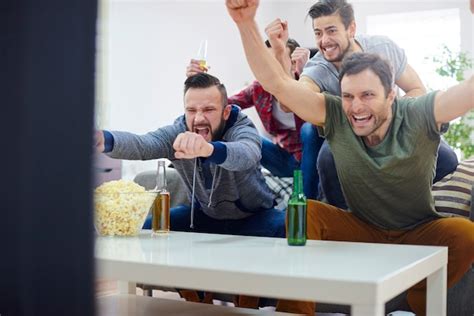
x=361, y=120
x=329, y=49
x=204, y=131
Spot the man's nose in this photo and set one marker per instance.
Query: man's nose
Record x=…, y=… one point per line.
x=357, y=105
x=199, y=116
x=324, y=38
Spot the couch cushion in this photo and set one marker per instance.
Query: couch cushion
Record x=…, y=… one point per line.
x=176, y=187
x=453, y=193
x=281, y=187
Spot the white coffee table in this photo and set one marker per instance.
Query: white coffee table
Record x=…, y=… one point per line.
x=362, y=275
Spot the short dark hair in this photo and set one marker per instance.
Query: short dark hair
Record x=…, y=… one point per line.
x=331, y=7
x=357, y=62
x=291, y=44
x=204, y=80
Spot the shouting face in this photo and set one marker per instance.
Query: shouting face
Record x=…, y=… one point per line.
x=204, y=112
x=334, y=41
x=366, y=105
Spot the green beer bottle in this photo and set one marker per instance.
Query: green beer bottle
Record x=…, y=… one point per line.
x=296, y=213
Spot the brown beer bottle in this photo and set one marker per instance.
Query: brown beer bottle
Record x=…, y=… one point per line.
x=161, y=207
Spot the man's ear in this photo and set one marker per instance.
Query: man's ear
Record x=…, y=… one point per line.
x=391, y=95
x=227, y=110
x=352, y=29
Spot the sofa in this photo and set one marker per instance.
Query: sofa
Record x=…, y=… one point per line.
x=460, y=297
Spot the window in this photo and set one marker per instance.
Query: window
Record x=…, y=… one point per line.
x=422, y=35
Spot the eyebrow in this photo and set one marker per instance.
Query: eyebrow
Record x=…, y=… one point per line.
x=326, y=28
x=206, y=107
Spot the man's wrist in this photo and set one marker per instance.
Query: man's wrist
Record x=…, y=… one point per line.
x=109, y=141
x=210, y=149
x=219, y=152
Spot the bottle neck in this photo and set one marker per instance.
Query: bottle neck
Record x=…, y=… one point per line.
x=161, y=176
x=297, y=182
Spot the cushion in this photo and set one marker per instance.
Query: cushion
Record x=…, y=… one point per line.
x=175, y=185
x=281, y=187
x=453, y=193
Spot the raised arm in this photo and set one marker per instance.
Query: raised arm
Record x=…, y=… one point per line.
x=410, y=82
x=304, y=102
x=277, y=33
x=454, y=102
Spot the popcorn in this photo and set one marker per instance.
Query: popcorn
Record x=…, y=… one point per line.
x=121, y=207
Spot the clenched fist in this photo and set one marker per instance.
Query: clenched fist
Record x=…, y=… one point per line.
x=277, y=33
x=299, y=57
x=99, y=141
x=190, y=145
x=242, y=10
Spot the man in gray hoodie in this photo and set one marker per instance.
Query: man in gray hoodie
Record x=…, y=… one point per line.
x=216, y=149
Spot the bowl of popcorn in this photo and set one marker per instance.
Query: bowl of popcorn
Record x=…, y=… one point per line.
x=121, y=207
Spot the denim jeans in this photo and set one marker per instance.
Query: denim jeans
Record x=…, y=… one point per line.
x=331, y=189
x=312, y=143
x=267, y=223
x=282, y=164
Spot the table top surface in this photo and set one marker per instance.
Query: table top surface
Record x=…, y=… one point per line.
x=365, y=263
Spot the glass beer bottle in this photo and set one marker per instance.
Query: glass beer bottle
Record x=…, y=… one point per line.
x=161, y=207
x=296, y=213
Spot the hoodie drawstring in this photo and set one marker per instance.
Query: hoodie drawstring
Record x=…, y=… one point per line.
x=212, y=186
x=192, y=194
x=214, y=176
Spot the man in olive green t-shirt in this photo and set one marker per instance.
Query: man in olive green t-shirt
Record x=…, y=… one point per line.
x=384, y=149
x=387, y=183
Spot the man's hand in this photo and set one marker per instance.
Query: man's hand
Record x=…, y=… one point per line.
x=242, y=10
x=277, y=33
x=194, y=68
x=299, y=57
x=190, y=145
x=99, y=141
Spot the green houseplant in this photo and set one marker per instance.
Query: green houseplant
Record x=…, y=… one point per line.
x=453, y=65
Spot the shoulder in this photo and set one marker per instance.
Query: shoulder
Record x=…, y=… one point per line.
x=172, y=130
x=373, y=41
x=238, y=122
x=258, y=89
x=179, y=123
x=254, y=86
x=331, y=99
x=416, y=108
x=317, y=62
x=322, y=72
x=379, y=44
x=426, y=99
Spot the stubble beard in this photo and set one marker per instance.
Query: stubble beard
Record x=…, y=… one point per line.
x=343, y=54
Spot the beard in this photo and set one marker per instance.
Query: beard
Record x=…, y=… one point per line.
x=342, y=54
x=219, y=131
x=215, y=134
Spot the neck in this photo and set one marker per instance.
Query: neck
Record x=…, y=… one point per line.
x=353, y=48
x=377, y=136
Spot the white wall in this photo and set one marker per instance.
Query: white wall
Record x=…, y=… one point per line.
x=146, y=45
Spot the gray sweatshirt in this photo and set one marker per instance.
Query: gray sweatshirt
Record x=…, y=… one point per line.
x=228, y=184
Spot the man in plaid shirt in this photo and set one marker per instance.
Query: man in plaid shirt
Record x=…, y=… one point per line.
x=292, y=146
